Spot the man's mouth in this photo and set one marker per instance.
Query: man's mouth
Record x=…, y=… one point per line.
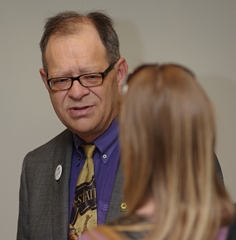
x=80, y=108
x=80, y=111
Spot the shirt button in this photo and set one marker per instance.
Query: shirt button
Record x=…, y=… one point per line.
x=104, y=156
x=79, y=156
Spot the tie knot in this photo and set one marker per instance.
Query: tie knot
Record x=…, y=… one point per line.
x=88, y=150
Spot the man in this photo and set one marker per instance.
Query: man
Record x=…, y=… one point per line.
x=83, y=73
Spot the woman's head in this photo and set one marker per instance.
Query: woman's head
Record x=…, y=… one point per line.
x=167, y=139
x=167, y=122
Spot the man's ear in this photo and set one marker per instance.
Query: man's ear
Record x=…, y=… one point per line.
x=43, y=75
x=122, y=71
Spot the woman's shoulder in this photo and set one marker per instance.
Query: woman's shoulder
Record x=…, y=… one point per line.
x=232, y=230
x=93, y=234
x=125, y=227
x=132, y=226
x=130, y=221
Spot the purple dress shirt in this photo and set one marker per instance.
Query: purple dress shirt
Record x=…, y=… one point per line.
x=106, y=161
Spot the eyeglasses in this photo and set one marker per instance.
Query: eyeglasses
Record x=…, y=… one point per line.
x=86, y=80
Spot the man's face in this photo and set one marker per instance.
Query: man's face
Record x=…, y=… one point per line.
x=88, y=112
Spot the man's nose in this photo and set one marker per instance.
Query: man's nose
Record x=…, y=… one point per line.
x=77, y=90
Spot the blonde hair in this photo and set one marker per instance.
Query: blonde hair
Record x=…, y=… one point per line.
x=167, y=137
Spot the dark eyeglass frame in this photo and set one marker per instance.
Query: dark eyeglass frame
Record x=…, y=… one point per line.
x=103, y=75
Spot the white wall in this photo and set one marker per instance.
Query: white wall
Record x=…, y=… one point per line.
x=200, y=34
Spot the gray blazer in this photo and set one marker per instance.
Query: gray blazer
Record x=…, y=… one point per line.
x=44, y=202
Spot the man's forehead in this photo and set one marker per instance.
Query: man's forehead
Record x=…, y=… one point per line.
x=78, y=30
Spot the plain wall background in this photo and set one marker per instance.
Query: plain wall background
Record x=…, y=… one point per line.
x=200, y=34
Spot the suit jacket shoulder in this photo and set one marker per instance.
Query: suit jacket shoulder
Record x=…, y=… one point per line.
x=44, y=202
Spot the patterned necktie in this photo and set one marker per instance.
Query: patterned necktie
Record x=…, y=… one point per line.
x=84, y=209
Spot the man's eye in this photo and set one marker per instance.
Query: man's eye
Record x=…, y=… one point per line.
x=92, y=76
x=60, y=80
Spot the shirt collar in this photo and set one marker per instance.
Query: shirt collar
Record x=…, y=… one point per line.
x=106, y=143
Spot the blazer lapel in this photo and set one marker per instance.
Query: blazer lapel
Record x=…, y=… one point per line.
x=61, y=187
x=116, y=197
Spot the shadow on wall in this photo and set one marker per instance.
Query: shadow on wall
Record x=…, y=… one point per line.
x=131, y=45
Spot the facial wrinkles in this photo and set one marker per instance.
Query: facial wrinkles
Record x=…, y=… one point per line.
x=75, y=55
x=66, y=62
x=72, y=57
